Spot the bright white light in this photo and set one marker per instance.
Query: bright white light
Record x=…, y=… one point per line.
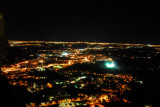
x=110, y=65
x=148, y=44
x=64, y=53
x=83, y=77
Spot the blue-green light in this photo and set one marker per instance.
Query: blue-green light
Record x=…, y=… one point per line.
x=110, y=65
x=64, y=53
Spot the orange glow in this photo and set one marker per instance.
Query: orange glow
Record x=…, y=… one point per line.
x=49, y=85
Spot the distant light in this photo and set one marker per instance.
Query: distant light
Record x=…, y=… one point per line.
x=141, y=82
x=64, y=53
x=69, y=62
x=83, y=77
x=148, y=44
x=148, y=106
x=110, y=65
x=57, y=66
x=81, y=49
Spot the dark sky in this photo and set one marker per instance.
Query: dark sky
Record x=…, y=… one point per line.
x=130, y=21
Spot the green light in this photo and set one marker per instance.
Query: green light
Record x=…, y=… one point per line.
x=57, y=66
x=77, y=79
x=110, y=65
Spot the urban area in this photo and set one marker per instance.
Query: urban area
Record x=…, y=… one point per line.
x=82, y=74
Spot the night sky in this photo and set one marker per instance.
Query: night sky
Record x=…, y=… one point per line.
x=129, y=21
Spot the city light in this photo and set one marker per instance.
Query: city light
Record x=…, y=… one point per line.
x=65, y=70
x=64, y=53
x=57, y=66
x=110, y=65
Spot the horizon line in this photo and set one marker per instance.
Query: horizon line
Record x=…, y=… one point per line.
x=95, y=42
